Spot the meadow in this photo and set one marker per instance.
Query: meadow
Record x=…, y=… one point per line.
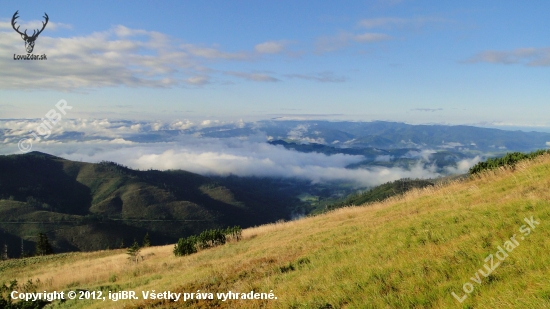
x=409, y=251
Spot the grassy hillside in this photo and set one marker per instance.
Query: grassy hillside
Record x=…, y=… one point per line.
x=406, y=252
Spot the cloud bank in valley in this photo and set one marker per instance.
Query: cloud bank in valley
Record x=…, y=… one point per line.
x=231, y=156
x=250, y=155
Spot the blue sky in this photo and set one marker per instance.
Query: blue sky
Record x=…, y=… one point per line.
x=452, y=62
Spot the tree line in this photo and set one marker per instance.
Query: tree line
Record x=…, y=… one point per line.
x=206, y=239
x=510, y=159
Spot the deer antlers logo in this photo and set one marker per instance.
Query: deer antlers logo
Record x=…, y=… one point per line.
x=29, y=40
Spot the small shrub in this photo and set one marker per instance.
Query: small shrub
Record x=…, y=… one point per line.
x=287, y=268
x=133, y=252
x=146, y=241
x=185, y=246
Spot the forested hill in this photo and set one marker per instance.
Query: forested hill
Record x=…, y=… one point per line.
x=86, y=206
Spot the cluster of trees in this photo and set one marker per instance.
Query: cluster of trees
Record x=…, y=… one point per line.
x=206, y=239
x=120, y=169
x=29, y=287
x=43, y=247
x=510, y=159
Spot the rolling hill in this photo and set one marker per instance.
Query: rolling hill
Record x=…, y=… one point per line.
x=484, y=239
x=85, y=206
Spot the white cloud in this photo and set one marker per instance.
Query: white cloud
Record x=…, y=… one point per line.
x=256, y=77
x=451, y=145
x=213, y=53
x=463, y=166
x=298, y=131
x=425, y=154
x=198, y=80
x=535, y=57
x=121, y=141
x=206, y=123
x=333, y=43
x=266, y=160
x=346, y=38
x=271, y=47
x=123, y=31
x=297, y=134
x=383, y=158
x=324, y=77
x=115, y=57
x=381, y=21
x=388, y=22
x=33, y=25
x=102, y=59
x=238, y=156
x=181, y=125
x=370, y=37
x=104, y=128
x=427, y=109
x=94, y=140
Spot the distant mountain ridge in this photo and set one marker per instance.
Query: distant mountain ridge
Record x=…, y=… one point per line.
x=387, y=135
x=342, y=134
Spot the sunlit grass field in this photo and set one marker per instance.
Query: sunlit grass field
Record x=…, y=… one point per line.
x=406, y=252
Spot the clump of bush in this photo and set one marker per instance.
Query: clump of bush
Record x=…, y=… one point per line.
x=29, y=287
x=234, y=233
x=185, y=246
x=206, y=239
x=211, y=238
x=510, y=159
